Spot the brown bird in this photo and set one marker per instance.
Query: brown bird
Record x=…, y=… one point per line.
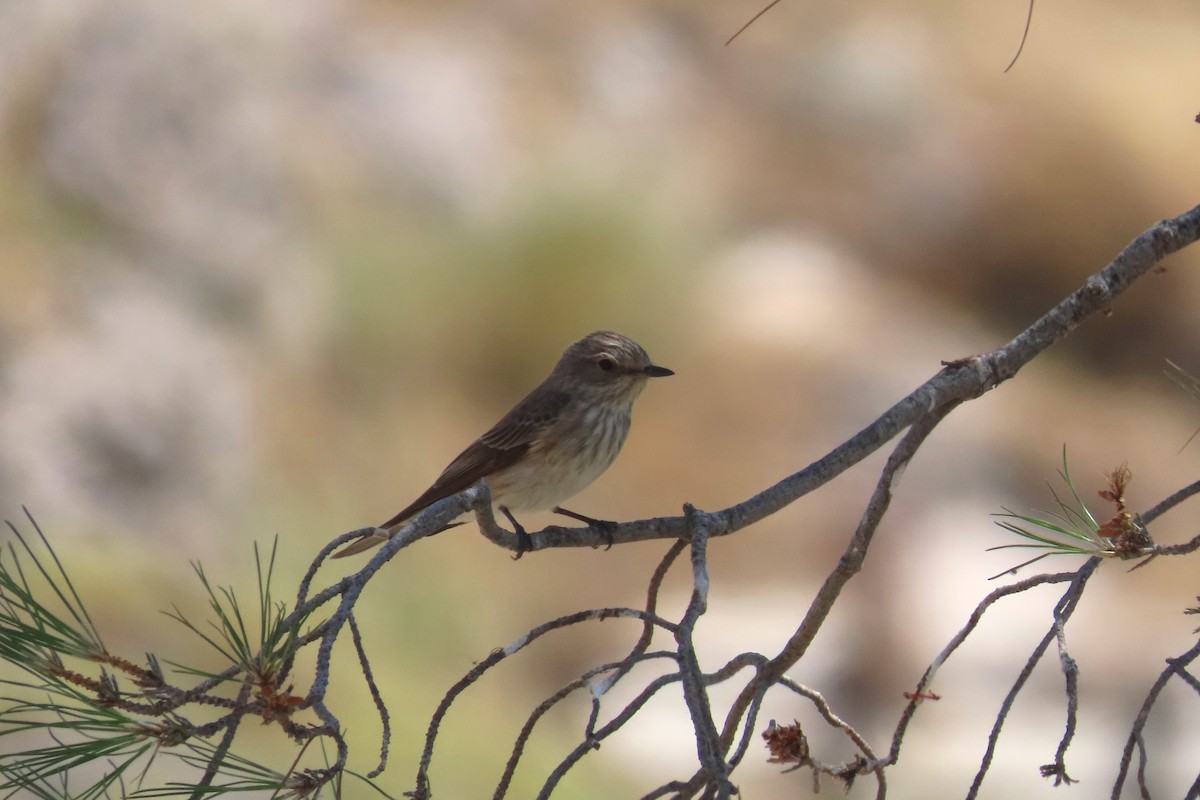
x=553, y=443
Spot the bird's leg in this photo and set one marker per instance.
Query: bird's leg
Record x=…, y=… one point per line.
x=605, y=526
x=524, y=542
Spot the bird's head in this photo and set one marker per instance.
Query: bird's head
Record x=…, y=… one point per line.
x=609, y=364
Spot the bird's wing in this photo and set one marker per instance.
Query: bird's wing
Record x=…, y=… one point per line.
x=502, y=446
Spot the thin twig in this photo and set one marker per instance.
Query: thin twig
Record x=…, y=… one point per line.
x=1070, y=670
x=751, y=21
x=848, y=565
x=591, y=740
x=627, y=713
x=1063, y=611
x=218, y=756
x=837, y=722
x=630, y=710
x=751, y=716
x=385, y=737
x=1024, y=37
x=421, y=788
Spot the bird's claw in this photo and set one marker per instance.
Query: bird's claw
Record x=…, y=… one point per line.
x=606, y=526
x=524, y=543
x=524, y=540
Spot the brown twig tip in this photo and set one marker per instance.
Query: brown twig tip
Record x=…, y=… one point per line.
x=1118, y=481
x=141, y=676
x=166, y=734
x=278, y=706
x=922, y=696
x=74, y=678
x=786, y=743
x=1130, y=538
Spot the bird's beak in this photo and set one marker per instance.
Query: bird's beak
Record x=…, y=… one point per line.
x=653, y=371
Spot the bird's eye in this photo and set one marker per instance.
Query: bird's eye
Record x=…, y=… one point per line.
x=605, y=363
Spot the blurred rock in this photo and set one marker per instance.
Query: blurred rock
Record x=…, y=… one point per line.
x=134, y=417
x=173, y=130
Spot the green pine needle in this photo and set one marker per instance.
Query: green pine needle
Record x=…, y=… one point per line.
x=261, y=655
x=1072, y=530
x=70, y=698
x=1190, y=384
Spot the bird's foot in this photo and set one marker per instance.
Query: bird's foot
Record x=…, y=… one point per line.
x=605, y=526
x=524, y=541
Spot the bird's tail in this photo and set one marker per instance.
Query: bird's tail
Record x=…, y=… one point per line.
x=378, y=537
x=375, y=539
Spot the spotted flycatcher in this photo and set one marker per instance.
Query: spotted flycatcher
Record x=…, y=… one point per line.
x=552, y=444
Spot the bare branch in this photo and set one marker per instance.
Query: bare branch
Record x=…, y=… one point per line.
x=1156, y=511
x=421, y=789
x=708, y=742
x=231, y=728
x=1175, y=666
x=376, y=697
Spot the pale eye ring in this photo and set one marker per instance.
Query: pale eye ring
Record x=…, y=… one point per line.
x=605, y=363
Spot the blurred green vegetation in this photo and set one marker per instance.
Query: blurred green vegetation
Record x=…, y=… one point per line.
x=555, y=263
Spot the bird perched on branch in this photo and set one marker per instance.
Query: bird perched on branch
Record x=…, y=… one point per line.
x=553, y=443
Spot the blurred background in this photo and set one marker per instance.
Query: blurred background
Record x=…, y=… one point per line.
x=268, y=266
